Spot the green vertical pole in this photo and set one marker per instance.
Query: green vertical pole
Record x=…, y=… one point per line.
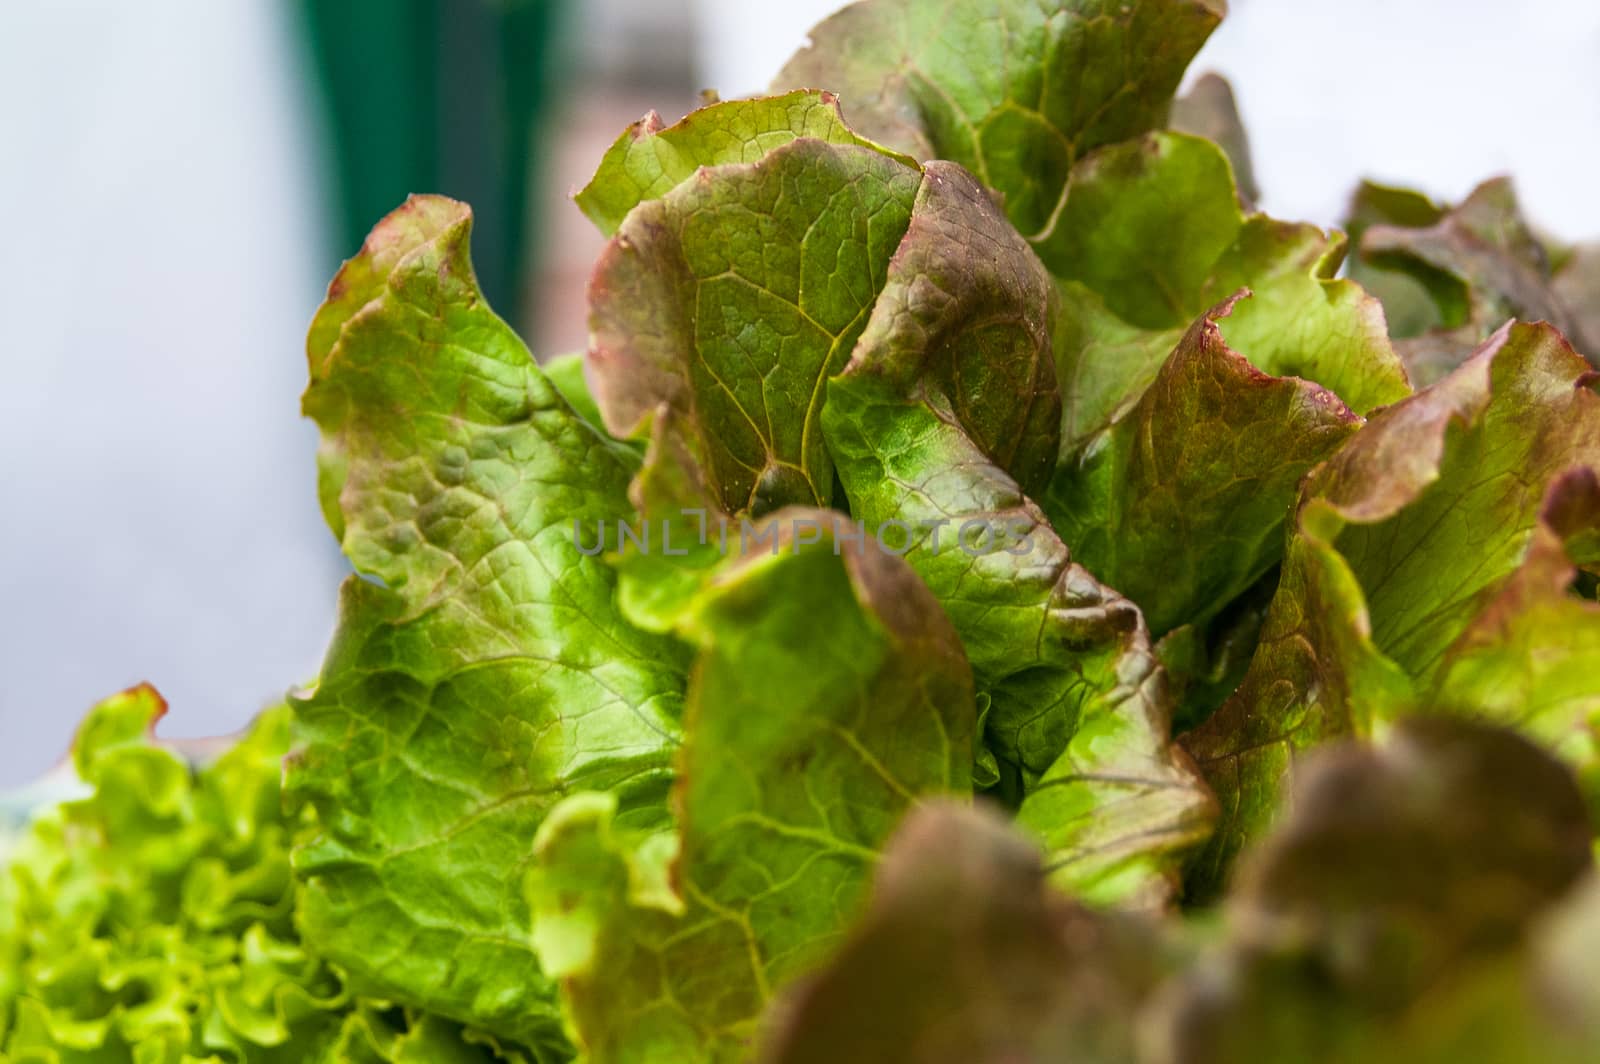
x=436, y=96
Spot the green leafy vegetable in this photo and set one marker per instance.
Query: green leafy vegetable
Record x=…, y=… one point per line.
x=1530, y=656
x=929, y=436
x=732, y=298
x=1014, y=90
x=1406, y=878
x=1183, y=443
x=1181, y=501
x=1401, y=545
x=490, y=672
x=153, y=920
x=649, y=160
x=791, y=676
x=1128, y=308
x=797, y=767
x=1479, y=263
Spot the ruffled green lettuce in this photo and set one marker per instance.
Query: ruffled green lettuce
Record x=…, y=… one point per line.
x=722, y=318
x=791, y=676
x=481, y=669
x=154, y=919
x=1204, y=381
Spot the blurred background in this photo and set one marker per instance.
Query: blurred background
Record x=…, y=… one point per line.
x=185, y=175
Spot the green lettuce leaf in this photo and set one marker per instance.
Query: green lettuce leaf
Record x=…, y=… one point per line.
x=1530, y=658
x=1387, y=907
x=1180, y=503
x=481, y=670
x=1186, y=429
x=829, y=695
x=565, y=374
x=153, y=920
x=946, y=416
x=1014, y=90
x=1151, y=237
x=649, y=160
x=966, y=954
x=729, y=301
x=1400, y=543
x=1480, y=263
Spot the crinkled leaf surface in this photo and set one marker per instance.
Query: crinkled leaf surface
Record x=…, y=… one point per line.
x=153, y=919
x=729, y=300
x=944, y=417
x=1180, y=504
x=829, y=694
x=1191, y=414
x=649, y=159
x=967, y=954
x=1531, y=656
x=1016, y=91
x=1152, y=236
x=481, y=670
x=1400, y=541
x=1402, y=873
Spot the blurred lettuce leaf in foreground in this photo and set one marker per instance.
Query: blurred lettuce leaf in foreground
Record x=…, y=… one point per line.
x=1430, y=899
x=1415, y=906
x=966, y=953
x=153, y=919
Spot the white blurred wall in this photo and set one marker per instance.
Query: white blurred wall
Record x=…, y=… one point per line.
x=1435, y=94
x=161, y=260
